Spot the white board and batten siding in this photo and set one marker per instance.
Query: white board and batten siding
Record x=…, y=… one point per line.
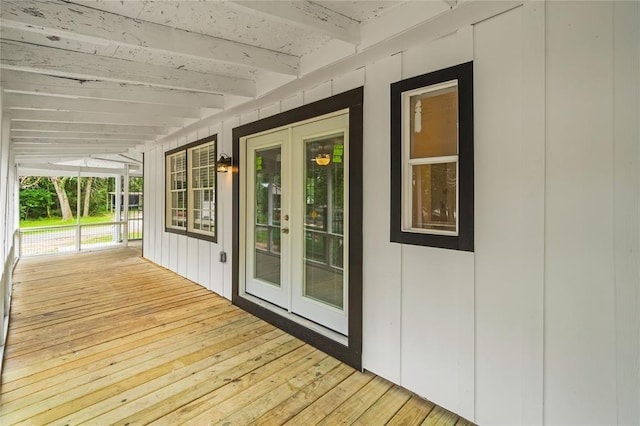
x=540, y=324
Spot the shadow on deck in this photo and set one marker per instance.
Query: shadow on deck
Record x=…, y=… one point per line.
x=107, y=337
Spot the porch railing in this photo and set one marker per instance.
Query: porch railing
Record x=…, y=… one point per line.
x=70, y=238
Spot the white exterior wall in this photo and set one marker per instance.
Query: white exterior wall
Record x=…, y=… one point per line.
x=8, y=216
x=541, y=323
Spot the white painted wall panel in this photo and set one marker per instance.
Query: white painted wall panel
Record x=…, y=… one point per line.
x=147, y=182
x=382, y=280
x=348, y=81
x=204, y=262
x=627, y=207
x=269, y=110
x=173, y=251
x=437, y=326
x=182, y=253
x=321, y=91
x=580, y=362
x=533, y=205
x=160, y=205
x=291, y=102
x=4, y=173
x=249, y=116
x=442, y=53
x=215, y=280
x=226, y=210
x=159, y=202
x=506, y=243
x=148, y=215
x=437, y=284
x=193, y=257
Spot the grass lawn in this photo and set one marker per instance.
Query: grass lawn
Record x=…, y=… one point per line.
x=56, y=221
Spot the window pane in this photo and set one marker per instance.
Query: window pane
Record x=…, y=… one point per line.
x=434, y=123
x=323, y=221
x=195, y=157
x=434, y=204
x=268, y=179
x=201, y=188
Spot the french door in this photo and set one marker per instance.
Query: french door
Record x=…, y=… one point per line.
x=295, y=223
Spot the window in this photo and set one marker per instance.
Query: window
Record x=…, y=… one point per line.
x=432, y=159
x=191, y=189
x=176, y=190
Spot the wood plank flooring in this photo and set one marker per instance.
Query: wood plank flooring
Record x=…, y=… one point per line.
x=107, y=337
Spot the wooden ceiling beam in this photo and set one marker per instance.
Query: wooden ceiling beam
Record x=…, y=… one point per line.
x=26, y=82
x=43, y=166
x=52, y=146
x=74, y=150
x=26, y=136
x=36, y=127
x=76, y=142
x=55, y=103
x=96, y=118
x=65, y=63
x=306, y=15
x=90, y=25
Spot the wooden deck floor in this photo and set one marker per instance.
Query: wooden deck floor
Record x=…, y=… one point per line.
x=109, y=338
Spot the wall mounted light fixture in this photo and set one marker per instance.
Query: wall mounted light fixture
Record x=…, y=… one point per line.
x=224, y=163
x=323, y=159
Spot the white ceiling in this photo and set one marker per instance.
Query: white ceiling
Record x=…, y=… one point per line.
x=89, y=78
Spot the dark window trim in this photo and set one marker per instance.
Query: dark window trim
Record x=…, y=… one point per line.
x=212, y=238
x=353, y=100
x=464, y=240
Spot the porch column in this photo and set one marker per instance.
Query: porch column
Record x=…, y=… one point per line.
x=78, y=207
x=118, y=218
x=125, y=235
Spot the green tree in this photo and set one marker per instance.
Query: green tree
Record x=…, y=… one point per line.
x=35, y=203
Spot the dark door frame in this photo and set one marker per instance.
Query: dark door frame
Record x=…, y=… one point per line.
x=353, y=100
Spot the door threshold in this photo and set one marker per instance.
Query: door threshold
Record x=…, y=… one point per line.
x=332, y=343
x=331, y=334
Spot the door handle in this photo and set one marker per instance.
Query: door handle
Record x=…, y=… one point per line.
x=285, y=230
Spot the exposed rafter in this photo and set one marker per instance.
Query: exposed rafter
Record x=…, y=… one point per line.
x=96, y=117
x=46, y=60
x=466, y=14
x=22, y=147
x=21, y=101
x=83, y=151
x=26, y=82
x=27, y=136
x=87, y=74
x=45, y=166
x=89, y=25
x=308, y=16
x=115, y=129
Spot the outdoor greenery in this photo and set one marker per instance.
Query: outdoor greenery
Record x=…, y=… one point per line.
x=50, y=201
x=36, y=202
x=57, y=221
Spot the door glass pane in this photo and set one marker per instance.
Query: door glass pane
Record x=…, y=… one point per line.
x=323, y=220
x=268, y=169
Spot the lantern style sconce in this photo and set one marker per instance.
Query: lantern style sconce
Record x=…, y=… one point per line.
x=323, y=159
x=223, y=164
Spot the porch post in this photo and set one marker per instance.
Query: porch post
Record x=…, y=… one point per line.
x=78, y=207
x=118, y=218
x=125, y=236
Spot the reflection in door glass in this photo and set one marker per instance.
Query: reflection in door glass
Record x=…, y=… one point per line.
x=323, y=221
x=267, y=213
